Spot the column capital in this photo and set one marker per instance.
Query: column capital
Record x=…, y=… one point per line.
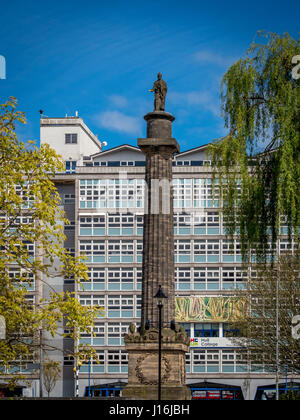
x=155, y=145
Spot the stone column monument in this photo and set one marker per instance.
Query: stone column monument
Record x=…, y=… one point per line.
x=158, y=269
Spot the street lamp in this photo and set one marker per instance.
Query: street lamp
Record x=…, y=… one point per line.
x=76, y=372
x=160, y=296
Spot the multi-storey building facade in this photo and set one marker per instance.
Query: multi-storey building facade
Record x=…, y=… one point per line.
x=102, y=192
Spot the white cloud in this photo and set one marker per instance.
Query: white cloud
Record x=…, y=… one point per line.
x=118, y=100
x=210, y=57
x=117, y=121
x=205, y=99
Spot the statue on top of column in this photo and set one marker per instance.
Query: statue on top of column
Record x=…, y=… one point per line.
x=160, y=90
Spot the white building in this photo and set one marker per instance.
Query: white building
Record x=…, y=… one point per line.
x=103, y=194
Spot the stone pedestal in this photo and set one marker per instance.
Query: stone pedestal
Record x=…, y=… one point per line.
x=158, y=269
x=142, y=348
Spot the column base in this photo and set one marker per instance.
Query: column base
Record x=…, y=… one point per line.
x=150, y=392
x=143, y=358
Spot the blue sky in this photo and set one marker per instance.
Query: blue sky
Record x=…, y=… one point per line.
x=100, y=58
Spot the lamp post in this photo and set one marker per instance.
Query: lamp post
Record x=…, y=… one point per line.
x=89, y=393
x=76, y=372
x=277, y=337
x=160, y=296
x=41, y=363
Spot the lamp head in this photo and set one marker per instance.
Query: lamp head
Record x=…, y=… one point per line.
x=160, y=296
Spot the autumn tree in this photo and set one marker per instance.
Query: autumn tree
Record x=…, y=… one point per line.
x=258, y=163
x=31, y=238
x=51, y=373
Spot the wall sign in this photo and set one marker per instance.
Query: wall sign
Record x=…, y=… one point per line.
x=213, y=342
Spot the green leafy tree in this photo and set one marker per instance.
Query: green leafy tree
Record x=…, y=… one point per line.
x=290, y=396
x=261, y=154
x=31, y=239
x=273, y=299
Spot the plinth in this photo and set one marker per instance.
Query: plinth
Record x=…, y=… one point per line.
x=158, y=269
x=142, y=347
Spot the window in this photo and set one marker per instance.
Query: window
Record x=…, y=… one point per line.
x=182, y=224
x=140, y=163
x=94, y=337
x=113, y=308
x=183, y=163
x=206, y=361
x=127, y=277
x=24, y=192
x=120, y=224
x=139, y=224
x=127, y=224
x=139, y=251
x=188, y=362
x=233, y=277
x=120, y=251
x=120, y=279
x=117, y=361
x=92, y=193
x=98, y=334
x=207, y=223
x=68, y=360
x=182, y=278
x=213, y=220
x=69, y=198
x=69, y=280
x=28, y=248
x=21, y=278
x=206, y=250
x=120, y=306
x=206, y=278
x=70, y=166
x=127, y=163
x=96, y=279
x=182, y=251
x=94, y=250
x=71, y=138
x=114, y=279
x=92, y=226
x=182, y=190
x=206, y=330
x=139, y=278
x=203, y=194
x=69, y=226
x=138, y=300
x=233, y=362
x=198, y=360
x=287, y=246
x=97, y=363
x=23, y=221
x=116, y=332
x=92, y=300
x=231, y=251
x=114, y=251
x=112, y=193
